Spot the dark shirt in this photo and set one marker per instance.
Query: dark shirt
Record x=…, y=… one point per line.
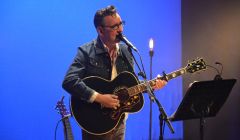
x=93, y=59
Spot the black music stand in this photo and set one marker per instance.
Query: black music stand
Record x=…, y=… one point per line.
x=202, y=100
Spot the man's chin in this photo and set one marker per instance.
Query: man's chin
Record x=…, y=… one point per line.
x=117, y=40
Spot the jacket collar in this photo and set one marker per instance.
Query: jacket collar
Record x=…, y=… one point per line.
x=100, y=47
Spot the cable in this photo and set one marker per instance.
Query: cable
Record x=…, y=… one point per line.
x=219, y=74
x=213, y=68
x=55, y=134
x=163, y=127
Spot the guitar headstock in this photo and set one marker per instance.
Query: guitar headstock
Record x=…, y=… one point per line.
x=62, y=108
x=196, y=65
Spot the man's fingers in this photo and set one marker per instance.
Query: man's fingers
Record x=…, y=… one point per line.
x=160, y=83
x=114, y=96
x=116, y=106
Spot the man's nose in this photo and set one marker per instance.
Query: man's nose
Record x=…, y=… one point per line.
x=120, y=29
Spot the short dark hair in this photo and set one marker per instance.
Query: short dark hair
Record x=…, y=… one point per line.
x=100, y=14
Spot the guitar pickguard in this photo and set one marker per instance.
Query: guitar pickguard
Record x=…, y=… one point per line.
x=126, y=102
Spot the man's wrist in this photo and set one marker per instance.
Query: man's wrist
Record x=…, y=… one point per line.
x=93, y=97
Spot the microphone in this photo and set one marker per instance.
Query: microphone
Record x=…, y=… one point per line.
x=219, y=75
x=121, y=37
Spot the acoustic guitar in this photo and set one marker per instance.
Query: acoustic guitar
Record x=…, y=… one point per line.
x=68, y=135
x=97, y=120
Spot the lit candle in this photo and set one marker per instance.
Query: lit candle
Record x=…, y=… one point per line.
x=151, y=44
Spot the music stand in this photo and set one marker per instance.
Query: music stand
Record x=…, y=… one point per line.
x=202, y=100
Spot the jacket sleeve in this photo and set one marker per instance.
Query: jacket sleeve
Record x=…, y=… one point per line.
x=72, y=82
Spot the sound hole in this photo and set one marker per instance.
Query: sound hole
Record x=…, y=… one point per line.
x=126, y=102
x=122, y=94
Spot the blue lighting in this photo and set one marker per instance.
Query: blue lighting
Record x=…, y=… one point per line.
x=38, y=40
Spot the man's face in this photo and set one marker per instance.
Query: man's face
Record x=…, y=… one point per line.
x=112, y=26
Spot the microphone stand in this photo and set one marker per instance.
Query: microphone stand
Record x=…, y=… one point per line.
x=150, y=98
x=163, y=115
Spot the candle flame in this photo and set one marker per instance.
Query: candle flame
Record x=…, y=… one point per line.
x=151, y=44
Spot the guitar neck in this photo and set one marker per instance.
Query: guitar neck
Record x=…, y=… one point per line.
x=143, y=87
x=67, y=129
x=174, y=74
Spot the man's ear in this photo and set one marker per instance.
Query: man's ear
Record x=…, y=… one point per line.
x=100, y=30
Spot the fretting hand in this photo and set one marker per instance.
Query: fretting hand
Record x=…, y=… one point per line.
x=159, y=83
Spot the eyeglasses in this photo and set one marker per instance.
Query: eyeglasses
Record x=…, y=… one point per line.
x=116, y=26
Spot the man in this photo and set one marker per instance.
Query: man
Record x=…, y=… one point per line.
x=104, y=57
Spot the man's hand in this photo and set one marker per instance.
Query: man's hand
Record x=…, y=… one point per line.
x=108, y=100
x=159, y=83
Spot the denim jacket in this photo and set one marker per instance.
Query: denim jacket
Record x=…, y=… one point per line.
x=93, y=59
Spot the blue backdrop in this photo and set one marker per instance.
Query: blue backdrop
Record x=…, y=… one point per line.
x=38, y=40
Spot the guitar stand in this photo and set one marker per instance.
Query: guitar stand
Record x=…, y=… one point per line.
x=202, y=100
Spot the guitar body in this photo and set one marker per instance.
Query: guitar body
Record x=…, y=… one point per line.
x=97, y=120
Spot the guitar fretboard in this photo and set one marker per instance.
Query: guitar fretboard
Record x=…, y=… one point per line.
x=67, y=129
x=143, y=87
